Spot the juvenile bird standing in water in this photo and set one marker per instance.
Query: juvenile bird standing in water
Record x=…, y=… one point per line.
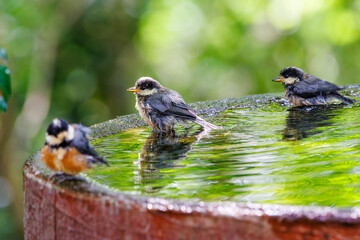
x=303, y=89
x=162, y=108
x=67, y=148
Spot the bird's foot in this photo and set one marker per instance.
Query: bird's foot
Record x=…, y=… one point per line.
x=60, y=177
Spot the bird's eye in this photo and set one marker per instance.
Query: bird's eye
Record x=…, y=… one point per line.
x=142, y=87
x=286, y=76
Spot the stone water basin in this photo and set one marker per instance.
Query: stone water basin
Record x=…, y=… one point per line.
x=271, y=173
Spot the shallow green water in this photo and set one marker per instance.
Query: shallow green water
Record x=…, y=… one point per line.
x=266, y=155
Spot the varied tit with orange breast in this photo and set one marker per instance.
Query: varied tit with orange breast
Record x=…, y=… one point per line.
x=67, y=148
x=303, y=89
x=162, y=108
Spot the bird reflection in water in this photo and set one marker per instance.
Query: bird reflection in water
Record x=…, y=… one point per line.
x=162, y=151
x=304, y=122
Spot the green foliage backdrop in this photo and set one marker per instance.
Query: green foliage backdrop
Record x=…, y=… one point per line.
x=75, y=59
x=5, y=84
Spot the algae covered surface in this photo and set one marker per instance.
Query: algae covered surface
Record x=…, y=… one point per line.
x=267, y=154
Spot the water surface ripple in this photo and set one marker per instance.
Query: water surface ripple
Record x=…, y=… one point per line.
x=270, y=155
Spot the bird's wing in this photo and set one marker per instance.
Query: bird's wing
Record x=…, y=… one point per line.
x=170, y=102
x=81, y=143
x=312, y=86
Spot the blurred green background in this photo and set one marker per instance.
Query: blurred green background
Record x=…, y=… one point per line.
x=75, y=60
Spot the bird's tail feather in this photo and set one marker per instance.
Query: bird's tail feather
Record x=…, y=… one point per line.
x=206, y=125
x=344, y=99
x=97, y=160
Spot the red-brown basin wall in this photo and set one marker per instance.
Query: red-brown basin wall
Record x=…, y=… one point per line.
x=51, y=212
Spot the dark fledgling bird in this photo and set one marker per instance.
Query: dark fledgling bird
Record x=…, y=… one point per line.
x=303, y=89
x=162, y=108
x=67, y=148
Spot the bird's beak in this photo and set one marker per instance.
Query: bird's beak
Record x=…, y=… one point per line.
x=133, y=89
x=278, y=79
